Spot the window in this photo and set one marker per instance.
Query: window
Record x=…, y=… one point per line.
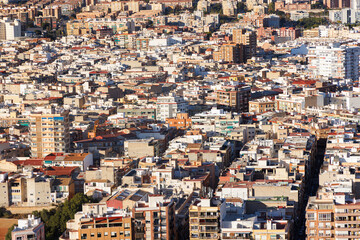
x=127, y=225
x=311, y=216
x=99, y=235
x=92, y=234
x=84, y=236
x=106, y=234
x=324, y=216
x=113, y=234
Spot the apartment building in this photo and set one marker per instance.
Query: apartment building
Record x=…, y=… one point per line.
x=170, y=106
x=261, y=105
x=17, y=189
x=347, y=221
x=229, y=7
x=4, y=190
x=109, y=227
x=334, y=61
x=81, y=160
x=247, y=38
x=49, y=132
x=320, y=217
x=38, y=191
x=80, y=27
x=205, y=216
x=29, y=228
x=155, y=219
x=182, y=121
x=232, y=52
x=10, y=29
x=236, y=98
x=139, y=148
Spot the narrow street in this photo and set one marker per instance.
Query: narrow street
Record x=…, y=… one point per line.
x=311, y=190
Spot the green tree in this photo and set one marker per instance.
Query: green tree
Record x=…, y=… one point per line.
x=271, y=8
x=216, y=8
x=241, y=7
x=4, y=212
x=8, y=234
x=55, y=219
x=311, y=22
x=45, y=26
x=318, y=5
x=177, y=9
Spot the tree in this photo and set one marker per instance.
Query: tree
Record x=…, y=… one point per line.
x=55, y=219
x=38, y=32
x=216, y=8
x=271, y=8
x=4, y=212
x=311, y=22
x=8, y=234
x=177, y=9
x=241, y=7
x=318, y=5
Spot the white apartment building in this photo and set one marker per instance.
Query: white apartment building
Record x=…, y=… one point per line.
x=169, y=106
x=334, y=61
x=10, y=29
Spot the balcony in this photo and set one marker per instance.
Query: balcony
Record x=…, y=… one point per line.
x=209, y=223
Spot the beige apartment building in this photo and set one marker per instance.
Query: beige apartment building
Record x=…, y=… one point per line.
x=247, y=38
x=205, y=219
x=49, y=133
x=38, y=192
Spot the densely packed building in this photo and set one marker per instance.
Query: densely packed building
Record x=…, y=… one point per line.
x=180, y=119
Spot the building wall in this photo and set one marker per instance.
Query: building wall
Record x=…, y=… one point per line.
x=49, y=133
x=4, y=194
x=38, y=192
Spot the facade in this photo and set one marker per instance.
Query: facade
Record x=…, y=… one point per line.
x=247, y=38
x=235, y=98
x=10, y=29
x=232, y=53
x=4, y=190
x=81, y=160
x=182, y=121
x=49, y=133
x=155, y=219
x=205, y=218
x=30, y=228
x=229, y=7
x=169, y=107
x=334, y=62
x=261, y=106
x=139, y=148
x=38, y=191
x=110, y=227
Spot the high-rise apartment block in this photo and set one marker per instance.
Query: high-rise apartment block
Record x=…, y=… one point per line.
x=205, y=219
x=49, y=132
x=248, y=38
x=155, y=219
x=10, y=29
x=232, y=53
x=334, y=61
x=329, y=219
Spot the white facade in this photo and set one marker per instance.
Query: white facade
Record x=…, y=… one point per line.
x=334, y=61
x=169, y=106
x=10, y=29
